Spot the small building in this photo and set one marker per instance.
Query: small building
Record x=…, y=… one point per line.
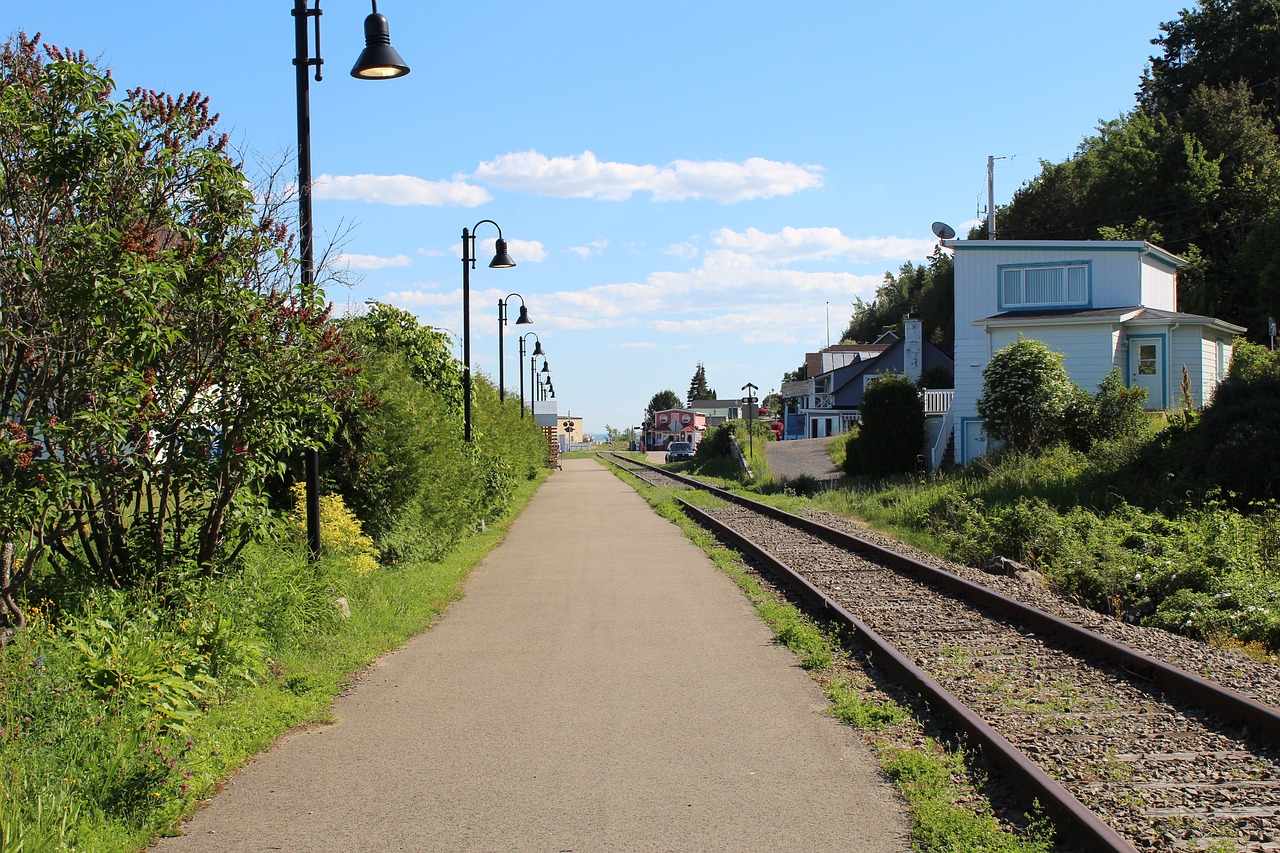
x=675, y=425
x=571, y=432
x=1102, y=304
x=831, y=401
x=719, y=411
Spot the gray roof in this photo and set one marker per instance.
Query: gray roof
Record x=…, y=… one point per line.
x=1129, y=314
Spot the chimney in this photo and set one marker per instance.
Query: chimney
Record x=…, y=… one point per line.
x=913, y=347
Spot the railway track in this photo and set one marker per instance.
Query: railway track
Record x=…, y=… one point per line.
x=1130, y=749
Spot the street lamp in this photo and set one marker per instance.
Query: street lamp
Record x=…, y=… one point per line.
x=522, y=320
x=749, y=399
x=501, y=260
x=378, y=61
x=537, y=351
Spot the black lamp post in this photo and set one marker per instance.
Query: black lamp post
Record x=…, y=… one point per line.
x=501, y=260
x=522, y=320
x=749, y=399
x=537, y=351
x=378, y=61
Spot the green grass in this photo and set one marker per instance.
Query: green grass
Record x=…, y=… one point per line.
x=102, y=748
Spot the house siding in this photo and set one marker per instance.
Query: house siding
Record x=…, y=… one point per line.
x=1159, y=287
x=1089, y=352
x=1197, y=348
x=1094, y=338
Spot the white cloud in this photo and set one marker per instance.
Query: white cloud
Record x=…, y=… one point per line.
x=808, y=244
x=681, y=250
x=372, y=262
x=729, y=293
x=596, y=247
x=419, y=298
x=743, y=288
x=585, y=176
x=400, y=190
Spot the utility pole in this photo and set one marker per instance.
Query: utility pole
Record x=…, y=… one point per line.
x=991, y=196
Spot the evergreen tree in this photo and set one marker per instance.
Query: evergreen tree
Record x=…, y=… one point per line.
x=698, y=389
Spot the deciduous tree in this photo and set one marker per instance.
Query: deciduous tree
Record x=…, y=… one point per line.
x=157, y=357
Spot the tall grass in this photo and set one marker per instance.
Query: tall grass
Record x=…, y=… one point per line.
x=1204, y=568
x=116, y=716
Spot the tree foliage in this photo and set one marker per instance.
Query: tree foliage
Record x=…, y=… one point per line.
x=892, y=434
x=1026, y=396
x=661, y=401
x=698, y=389
x=156, y=356
x=1194, y=167
x=927, y=288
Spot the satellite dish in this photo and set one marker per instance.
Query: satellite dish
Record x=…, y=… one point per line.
x=943, y=231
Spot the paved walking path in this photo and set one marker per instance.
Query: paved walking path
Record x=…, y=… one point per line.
x=601, y=687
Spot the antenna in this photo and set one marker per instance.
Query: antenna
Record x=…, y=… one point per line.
x=943, y=231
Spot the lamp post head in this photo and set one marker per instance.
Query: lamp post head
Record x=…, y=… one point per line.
x=378, y=60
x=545, y=368
x=523, y=319
x=501, y=260
x=537, y=349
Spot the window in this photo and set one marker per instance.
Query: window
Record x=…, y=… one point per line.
x=1044, y=286
x=1146, y=359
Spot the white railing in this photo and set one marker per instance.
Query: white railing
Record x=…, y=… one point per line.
x=938, y=402
x=824, y=401
x=939, y=448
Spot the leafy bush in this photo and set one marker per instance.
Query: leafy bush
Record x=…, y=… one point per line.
x=1116, y=411
x=1026, y=396
x=1241, y=432
x=340, y=534
x=400, y=461
x=891, y=436
x=1250, y=361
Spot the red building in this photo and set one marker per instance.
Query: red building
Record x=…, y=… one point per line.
x=675, y=425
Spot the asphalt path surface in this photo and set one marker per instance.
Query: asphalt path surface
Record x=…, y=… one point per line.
x=802, y=457
x=601, y=687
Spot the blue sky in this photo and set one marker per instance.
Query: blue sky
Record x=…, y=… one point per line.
x=678, y=182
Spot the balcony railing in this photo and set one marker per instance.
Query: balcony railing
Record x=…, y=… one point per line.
x=938, y=402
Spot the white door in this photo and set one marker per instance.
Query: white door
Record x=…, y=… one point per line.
x=975, y=441
x=1146, y=369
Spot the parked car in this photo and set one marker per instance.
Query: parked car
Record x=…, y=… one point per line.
x=678, y=451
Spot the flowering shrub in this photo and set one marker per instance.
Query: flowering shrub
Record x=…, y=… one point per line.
x=340, y=534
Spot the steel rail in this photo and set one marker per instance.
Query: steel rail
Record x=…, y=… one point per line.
x=1087, y=828
x=1260, y=719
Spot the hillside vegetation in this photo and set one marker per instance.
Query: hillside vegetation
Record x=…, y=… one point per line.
x=1174, y=523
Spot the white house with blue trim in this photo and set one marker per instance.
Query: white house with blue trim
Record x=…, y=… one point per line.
x=1102, y=304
